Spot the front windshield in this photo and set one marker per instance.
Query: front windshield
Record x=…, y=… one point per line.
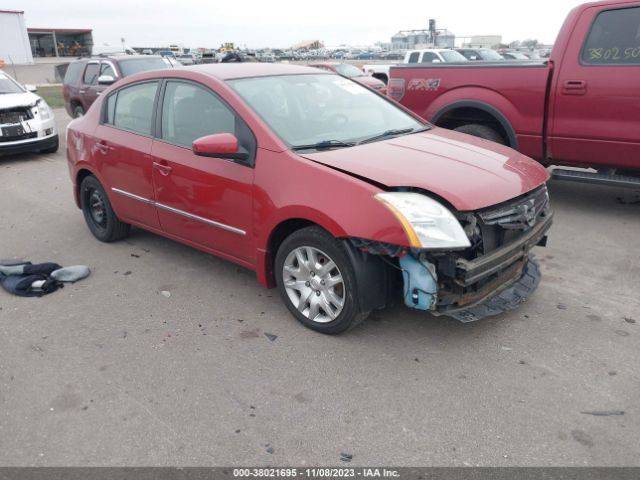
x=136, y=65
x=453, y=56
x=310, y=109
x=7, y=85
x=490, y=55
x=349, y=71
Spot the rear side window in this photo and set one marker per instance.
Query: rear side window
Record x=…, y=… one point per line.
x=413, y=58
x=429, y=57
x=74, y=72
x=190, y=112
x=614, y=38
x=91, y=73
x=131, y=108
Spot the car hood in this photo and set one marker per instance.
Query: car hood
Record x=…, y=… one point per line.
x=10, y=100
x=469, y=172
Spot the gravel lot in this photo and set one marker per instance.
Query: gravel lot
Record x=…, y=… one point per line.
x=111, y=371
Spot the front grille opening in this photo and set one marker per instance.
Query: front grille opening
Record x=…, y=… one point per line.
x=15, y=115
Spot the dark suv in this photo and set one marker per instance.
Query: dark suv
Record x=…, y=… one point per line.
x=87, y=78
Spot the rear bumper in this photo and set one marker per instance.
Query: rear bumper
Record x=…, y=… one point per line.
x=34, y=145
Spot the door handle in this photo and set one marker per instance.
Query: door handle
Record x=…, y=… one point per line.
x=574, y=87
x=82, y=92
x=163, y=169
x=102, y=147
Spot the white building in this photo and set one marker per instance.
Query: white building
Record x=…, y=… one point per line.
x=482, y=41
x=14, y=40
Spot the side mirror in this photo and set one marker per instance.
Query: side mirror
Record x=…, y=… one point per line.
x=220, y=145
x=105, y=80
x=30, y=88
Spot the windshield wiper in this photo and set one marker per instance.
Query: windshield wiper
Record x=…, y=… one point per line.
x=323, y=145
x=392, y=133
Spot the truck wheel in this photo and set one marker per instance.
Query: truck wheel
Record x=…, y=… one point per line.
x=317, y=282
x=78, y=111
x=481, y=131
x=98, y=213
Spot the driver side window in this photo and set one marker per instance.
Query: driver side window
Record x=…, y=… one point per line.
x=190, y=112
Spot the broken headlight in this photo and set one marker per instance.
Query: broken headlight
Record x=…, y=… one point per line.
x=427, y=223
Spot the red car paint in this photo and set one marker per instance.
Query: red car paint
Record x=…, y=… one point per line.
x=364, y=79
x=566, y=111
x=283, y=185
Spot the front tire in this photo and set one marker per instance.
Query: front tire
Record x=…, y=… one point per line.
x=317, y=282
x=481, y=131
x=98, y=213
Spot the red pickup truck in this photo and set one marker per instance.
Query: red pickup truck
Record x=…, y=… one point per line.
x=580, y=108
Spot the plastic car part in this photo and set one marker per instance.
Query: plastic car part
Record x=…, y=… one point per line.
x=420, y=283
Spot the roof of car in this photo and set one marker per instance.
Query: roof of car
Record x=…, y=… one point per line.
x=228, y=71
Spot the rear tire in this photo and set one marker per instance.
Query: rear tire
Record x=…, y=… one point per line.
x=98, y=213
x=78, y=111
x=481, y=131
x=317, y=281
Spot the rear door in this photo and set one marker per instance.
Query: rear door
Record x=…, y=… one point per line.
x=595, y=119
x=123, y=151
x=207, y=201
x=88, y=90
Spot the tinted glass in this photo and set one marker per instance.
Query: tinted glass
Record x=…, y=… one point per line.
x=74, y=72
x=91, y=73
x=190, y=112
x=614, y=38
x=429, y=57
x=111, y=108
x=305, y=109
x=135, y=65
x=413, y=58
x=134, y=107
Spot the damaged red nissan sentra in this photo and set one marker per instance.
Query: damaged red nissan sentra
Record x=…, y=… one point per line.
x=337, y=196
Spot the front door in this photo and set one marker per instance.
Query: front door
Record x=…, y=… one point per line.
x=596, y=116
x=207, y=201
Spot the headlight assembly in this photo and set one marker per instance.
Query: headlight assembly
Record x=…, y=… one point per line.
x=43, y=109
x=427, y=223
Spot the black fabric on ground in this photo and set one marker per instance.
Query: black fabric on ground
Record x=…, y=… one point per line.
x=21, y=285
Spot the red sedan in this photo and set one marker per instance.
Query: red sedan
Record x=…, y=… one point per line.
x=354, y=73
x=335, y=195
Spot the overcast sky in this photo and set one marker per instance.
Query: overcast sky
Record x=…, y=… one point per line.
x=283, y=23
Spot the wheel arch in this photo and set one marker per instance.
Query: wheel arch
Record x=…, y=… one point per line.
x=80, y=175
x=277, y=234
x=464, y=112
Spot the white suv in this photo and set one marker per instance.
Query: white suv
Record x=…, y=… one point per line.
x=27, y=124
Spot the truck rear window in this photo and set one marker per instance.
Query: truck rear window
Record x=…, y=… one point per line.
x=614, y=38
